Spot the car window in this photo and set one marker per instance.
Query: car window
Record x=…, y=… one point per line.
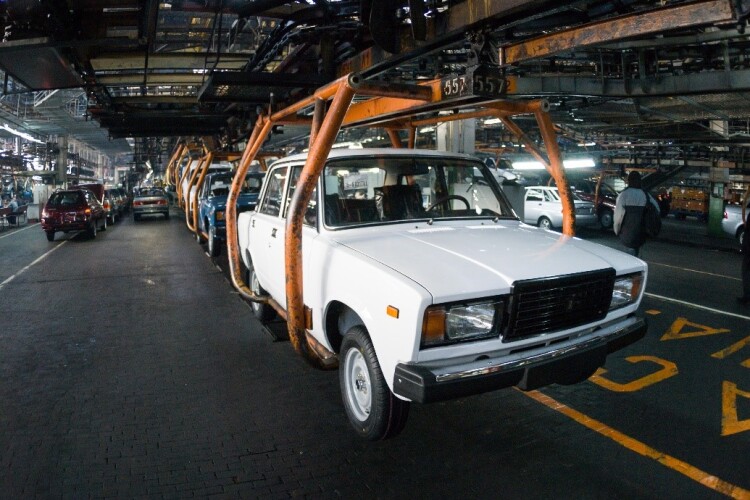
x=311, y=214
x=551, y=195
x=67, y=198
x=395, y=189
x=252, y=184
x=271, y=202
x=533, y=195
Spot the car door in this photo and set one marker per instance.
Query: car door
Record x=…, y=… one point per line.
x=266, y=235
x=533, y=204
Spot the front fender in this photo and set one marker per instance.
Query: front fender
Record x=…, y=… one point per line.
x=337, y=274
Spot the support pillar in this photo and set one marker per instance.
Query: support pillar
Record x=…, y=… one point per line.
x=456, y=136
x=62, y=161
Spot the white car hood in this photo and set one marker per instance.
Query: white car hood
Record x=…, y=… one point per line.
x=455, y=262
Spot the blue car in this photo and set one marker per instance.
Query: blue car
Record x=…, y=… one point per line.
x=212, y=201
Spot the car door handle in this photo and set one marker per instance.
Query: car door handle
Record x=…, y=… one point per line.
x=252, y=223
x=273, y=233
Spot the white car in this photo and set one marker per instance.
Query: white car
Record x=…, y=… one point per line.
x=543, y=208
x=214, y=168
x=420, y=277
x=732, y=222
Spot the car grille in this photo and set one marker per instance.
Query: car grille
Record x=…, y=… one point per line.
x=552, y=304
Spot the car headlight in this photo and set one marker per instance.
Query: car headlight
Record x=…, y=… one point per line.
x=627, y=290
x=452, y=323
x=219, y=215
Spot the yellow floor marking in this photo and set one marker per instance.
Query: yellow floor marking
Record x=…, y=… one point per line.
x=730, y=424
x=731, y=349
x=668, y=369
x=675, y=330
x=653, y=312
x=632, y=444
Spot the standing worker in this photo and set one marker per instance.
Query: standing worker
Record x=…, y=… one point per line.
x=629, y=211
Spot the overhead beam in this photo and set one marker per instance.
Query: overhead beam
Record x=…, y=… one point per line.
x=705, y=82
x=702, y=13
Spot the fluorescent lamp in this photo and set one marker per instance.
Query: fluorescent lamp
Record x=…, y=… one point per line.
x=535, y=165
x=492, y=121
x=22, y=135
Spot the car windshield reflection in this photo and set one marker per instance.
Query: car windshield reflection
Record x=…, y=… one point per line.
x=376, y=191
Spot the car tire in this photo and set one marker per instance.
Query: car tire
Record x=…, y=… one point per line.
x=50, y=235
x=92, y=229
x=213, y=242
x=136, y=217
x=606, y=219
x=373, y=410
x=740, y=235
x=545, y=223
x=104, y=223
x=264, y=312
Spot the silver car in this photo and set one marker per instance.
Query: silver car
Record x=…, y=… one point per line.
x=150, y=201
x=543, y=208
x=732, y=222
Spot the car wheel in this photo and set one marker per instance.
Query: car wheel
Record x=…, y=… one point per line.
x=545, y=223
x=373, y=410
x=263, y=312
x=740, y=234
x=213, y=242
x=104, y=223
x=92, y=229
x=606, y=219
x=50, y=235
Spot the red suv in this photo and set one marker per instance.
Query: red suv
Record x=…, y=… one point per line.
x=73, y=210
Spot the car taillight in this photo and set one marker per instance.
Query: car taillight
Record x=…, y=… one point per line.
x=87, y=211
x=137, y=203
x=726, y=215
x=162, y=202
x=107, y=205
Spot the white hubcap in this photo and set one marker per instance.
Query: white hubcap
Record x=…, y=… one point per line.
x=358, y=386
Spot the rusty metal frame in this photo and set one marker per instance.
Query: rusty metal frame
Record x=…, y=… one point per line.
x=174, y=160
x=705, y=12
x=387, y=107
x=178, y=188
x=192, y=210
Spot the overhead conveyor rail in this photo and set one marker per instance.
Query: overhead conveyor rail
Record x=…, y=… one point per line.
x=391, y=107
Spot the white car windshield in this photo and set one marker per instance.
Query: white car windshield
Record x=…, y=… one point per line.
x=377, y=190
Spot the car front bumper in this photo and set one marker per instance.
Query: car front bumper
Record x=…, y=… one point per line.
x=569, y=363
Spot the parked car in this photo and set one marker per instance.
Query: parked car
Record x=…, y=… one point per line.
x=605, y=204
x=150, y=201
x=125, y=198
x=732, y=223
x=426, y=290
x=110, y=204
x=543, y=208
x=73, y=209
x=214, y=168
x=212, y=201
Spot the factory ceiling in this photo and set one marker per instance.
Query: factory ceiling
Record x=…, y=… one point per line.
x=641, y=72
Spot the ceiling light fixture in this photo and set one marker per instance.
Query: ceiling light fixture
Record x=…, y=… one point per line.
x=22, y=135
x=535, y=165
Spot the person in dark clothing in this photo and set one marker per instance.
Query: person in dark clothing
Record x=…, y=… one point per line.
x=745, y=298
x=628, y=217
